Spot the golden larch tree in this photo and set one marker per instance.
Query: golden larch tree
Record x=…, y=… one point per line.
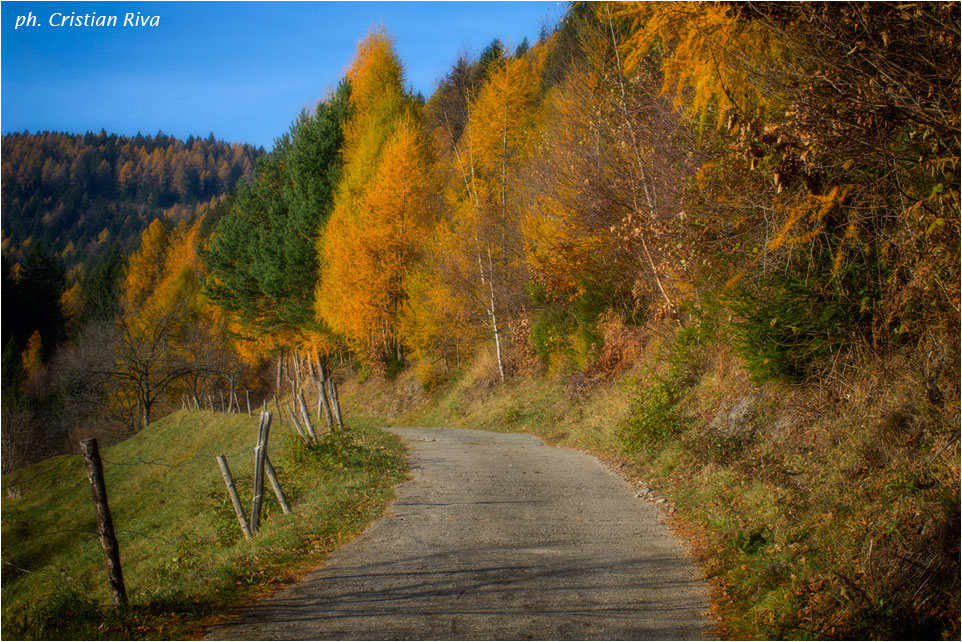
x=370, y=243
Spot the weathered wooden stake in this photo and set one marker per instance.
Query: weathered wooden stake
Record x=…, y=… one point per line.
x=262, y=436
x=278, y=405
x=234, y=498
x=319, y=397
x=105, y=525
x=248, y=393
x=297, y=368
x=276, y=485
x=323, y=403
x=322, y=398
x=306, y=415
x=336, y=402
x=277, y=386
x=297, y=427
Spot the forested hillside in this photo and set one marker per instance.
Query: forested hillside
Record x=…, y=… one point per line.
x=74, y=208
x=75, y=194
x=740, y=222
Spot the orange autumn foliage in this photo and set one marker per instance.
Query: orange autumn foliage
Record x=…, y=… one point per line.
x=380, y=208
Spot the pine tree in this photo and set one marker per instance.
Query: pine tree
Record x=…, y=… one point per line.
x=262, y=256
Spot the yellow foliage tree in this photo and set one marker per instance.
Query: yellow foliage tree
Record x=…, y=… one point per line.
x=472, y=278
x=836, y=155
x=32, y=357
x=479, y=248
x=168, y=335
x=371, y=240
x=604, y=189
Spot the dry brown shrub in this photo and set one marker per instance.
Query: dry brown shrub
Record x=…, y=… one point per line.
x=521, y=359
x=621, y=345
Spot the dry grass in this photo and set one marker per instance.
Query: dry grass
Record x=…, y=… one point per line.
x=823, y=511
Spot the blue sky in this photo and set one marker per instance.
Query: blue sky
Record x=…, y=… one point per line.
x=241, y=70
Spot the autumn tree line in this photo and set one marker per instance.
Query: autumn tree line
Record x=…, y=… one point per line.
x=74, y=209
x=76, y=195
x=795, y=166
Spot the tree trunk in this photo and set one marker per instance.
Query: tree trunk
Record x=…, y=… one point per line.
x=492, y=314
x=144, y=413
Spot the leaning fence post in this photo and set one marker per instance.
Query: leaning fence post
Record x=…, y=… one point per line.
x=306, y=415
x=297, y=427
x=278, y=405
x=276, y=485
x=322, y=401
x=234, y=499
x=336, y=402
x=248, y=393
x=262, y=435
x=105, y=525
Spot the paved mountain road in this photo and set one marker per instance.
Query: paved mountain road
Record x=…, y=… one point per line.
x=497, y=536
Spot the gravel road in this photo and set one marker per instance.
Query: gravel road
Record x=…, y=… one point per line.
x=496, y=537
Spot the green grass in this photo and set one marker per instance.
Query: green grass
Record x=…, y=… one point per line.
x=183, y=555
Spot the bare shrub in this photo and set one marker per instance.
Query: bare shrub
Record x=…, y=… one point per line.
x=621, y=344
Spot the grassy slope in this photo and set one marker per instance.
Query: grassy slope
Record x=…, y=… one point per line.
x=817, y=513
x=183, y=556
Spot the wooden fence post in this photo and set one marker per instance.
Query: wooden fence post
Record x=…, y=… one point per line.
x=306, y=414
x=297, y=427
x=248, y=393
x=322, y=377
x=336, y=402
x=322, y=401
x=276, y=485
x=278, y=405
x=262, y=436
x=234, y=499
x=105, y=525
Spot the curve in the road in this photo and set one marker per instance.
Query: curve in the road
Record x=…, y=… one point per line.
x=496, y=536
